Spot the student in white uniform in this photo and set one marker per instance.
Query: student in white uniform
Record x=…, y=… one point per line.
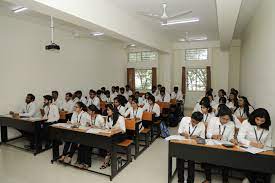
x=81, y=98
x=30, y=109
x=207, y=112
x=113, y=93
x=221, y=93
x=220, y=128
x=190, y=127
x=158, y=89
x=97, y=120
x=122, y=92
x=98, y=94
x=232, y=101
x=114, y=121
x=68, y=104
x=57, y=100
x=177, y=94
x=80, y=117
x=118, y=106
x=211, y=99
x=140, y=99
x=134, y=111
x=129, y=103
x=145, y=99
x=163, y=96
x=107, y=98
x=102, y=95
x=222, y=100
x=198, y=104
x=75, y=98
x=243, y=110
x=93, y=99
x=128, y=90
x=154, y=91
x=256, y=132
x=152, y=106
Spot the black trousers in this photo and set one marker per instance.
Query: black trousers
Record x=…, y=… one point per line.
x=69, y=149
x=45, y=132
x=255, y=177
x=84, y=155
x=207, y=169
x=191, y=171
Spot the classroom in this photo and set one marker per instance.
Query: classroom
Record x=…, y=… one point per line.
x=151, y=91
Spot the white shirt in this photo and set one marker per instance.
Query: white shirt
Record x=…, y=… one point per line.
x=165, y=98
x=83, y=118
x=95, y=101
x=99, y=121
x=230, y=105
x=240, y=113
x=120, y=124
x=75, y=100
x=83, y=100
x=113, y=96
x=207, y=117
x=145, y=102
x=68, y=106
x=121, y=110
x=134, y=113
x=154, y=109
x=216, y=128
x=155, y=94
x=129, y=93
x=178, y=96
x=128, y=106
x=102, y=96
x=30, y=110
x=140, y=101
x=58, y=103
x=247, y=134
x=187, y=127
x=51, y=113
x=197, y=107
x=125, y=95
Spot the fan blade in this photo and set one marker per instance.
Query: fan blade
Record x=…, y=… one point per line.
x=180, y=14
x=150, y=15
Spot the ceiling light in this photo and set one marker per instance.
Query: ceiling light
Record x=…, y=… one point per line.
x=132, y=45
x=198, y=38
x=97, y=33
x=19, y=9
x=181, y=21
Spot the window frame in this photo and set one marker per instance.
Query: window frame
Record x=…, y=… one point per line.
x=140, y=89
x=141, y=60
x=196, y=60
x=196, y=68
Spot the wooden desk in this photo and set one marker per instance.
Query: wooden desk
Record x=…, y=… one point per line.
x=221, y=156
x=105, y=141
x=30, y=125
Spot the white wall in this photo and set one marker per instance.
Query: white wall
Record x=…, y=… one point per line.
x=257, y=59
x=26, y=67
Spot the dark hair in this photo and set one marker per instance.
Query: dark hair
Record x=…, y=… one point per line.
x=209, y=92
x=103, y=88
x=176, y=88
x=82, y=105
x=69, y=94
x=207, y=105
x=78, y=92
x=152, y=98
x=235, y=99
x=98, y=92
x=127, y=86
x=55, y=92
x=224, y=110
x=159, y=85
x=135, y=100
x=121, y=99
x=223, y=92
x=209, y=95
x=107, y=92
x=94, y=109
x=131, y=96
x=154, y=87
x=198, y=116
x=246, y=106
x=92, y=91
x=222, y=100
x=48, y=97
x=31, y=96
x=204, y=99
x=262, y=113
x=122, y=89
x=116, y=113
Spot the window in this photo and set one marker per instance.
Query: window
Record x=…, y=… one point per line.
x=196, y=79
x=144, y=56
x=196, y=54
x=143, y=79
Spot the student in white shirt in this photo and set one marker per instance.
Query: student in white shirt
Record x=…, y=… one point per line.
x=220, y=128
x=158, y=89
x=81, y=98
x=232, y=101
x=122, y=92
x=56, y=100
x=211, y=99
x=113, y=93
x=75, y=98
x=140, y=99
x=222, y=100
x=68, y=105
x=93, y=99
x=128, y=90
x=207, y=112
x=30, y=109
x=221, y=93
x=129, y=103
x=256, y=132
x=102, y=95
x=80, y=117
x=114, y=121
x=134, y=111
x=98, y=94
x=108, y=98
x=145, y=99
x=177, y=94
x=152, y=106
x=118, y=106
x=190, y=127
x=154, y=91
x=243, y=110
x=97, y=120
x=163, y=96
x=198, y=104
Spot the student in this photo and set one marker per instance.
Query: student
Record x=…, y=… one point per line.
x=163, y=96
x=75, y=98
x=134, y=111
x=242, y=111
x=198, y=104
x=236, y=121
x=232, y=101
x=68, y=105
x=128, y=90
x=80, y=97
x=256, y=132
x=93, y=99
x=154, y=91
x=211, y=99
x=114, y=121
x=207, y=112
x=152, y=106
x=118, y=106
x=190, y=127
x=122, y=92
x=145, y=99
x=158, y=89
x=56, y=100
x=113, y=93
x=80, y=117
x=84, y=152
x=107, y=97
x=129, y=103
x=140, y=99
x=117, y=89
x=176, y=94
x=102, y=95
x=221, y=93
x=98, y=94
x=220, y=128
x=30, y=109
x=222, y=100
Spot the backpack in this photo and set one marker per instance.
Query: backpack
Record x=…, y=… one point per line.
x=164, y=131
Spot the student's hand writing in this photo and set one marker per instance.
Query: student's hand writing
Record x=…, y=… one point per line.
x=234, y=141
x=217, y=137
x=11, y=113
x=257, y=145
x=186, y=135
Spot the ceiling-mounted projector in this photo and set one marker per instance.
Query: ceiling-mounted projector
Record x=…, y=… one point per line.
x=52, y=46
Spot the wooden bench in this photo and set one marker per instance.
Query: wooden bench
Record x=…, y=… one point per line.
x=125, y=146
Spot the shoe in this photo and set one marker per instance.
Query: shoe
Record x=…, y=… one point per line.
x=68, y=160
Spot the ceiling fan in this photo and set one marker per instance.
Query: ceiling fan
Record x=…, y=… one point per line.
x=165, y=19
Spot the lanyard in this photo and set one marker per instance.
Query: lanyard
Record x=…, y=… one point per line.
x=241, y=114
x=205, y=118
x=79, y=118
x=191, y=134
x=27, y=108
x=135, y=113
x=220, y=130
x=256, y=135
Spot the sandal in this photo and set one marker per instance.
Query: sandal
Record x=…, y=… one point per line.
x=105, y=165
x=61, y=159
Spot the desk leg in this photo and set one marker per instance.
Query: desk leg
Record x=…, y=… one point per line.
x=170, y=161
x=113, y=162
x=136, y=141
x=37, y=146
x=55, y=150
x=4, y=134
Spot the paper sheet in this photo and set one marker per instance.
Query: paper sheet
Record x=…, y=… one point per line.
x=97, y=130
x=64, y=125
x=175, y=137
x=217, y=142
x=254, y=150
